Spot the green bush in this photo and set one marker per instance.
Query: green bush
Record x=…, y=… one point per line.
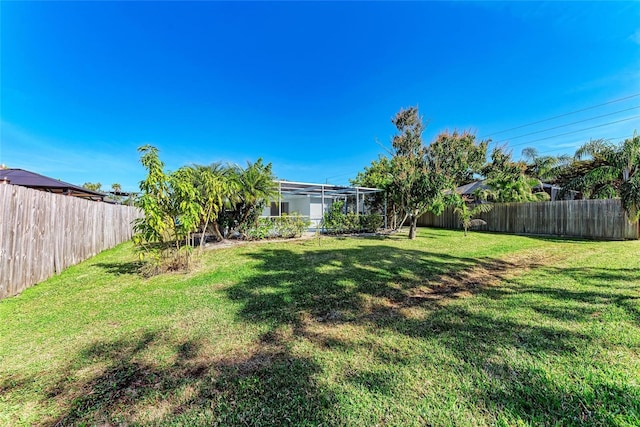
x=371, y=223
x=351, y=223
x=292, y=225
x=334, y=219
x=337, y=222
x=261, y=230
x=286, y=226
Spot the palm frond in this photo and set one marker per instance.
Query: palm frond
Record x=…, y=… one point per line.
x=605, y=191
x=601, y=175
x=630, y=196
x=481, y=208
x=591, y=149
x=530, y=153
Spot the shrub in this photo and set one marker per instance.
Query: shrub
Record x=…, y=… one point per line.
x=292, y=225
x=158, y=259
x=351, y=223
x=334, y=219
x=286, y=226
x=337, y=222
x=371, y=223
x=261, y=230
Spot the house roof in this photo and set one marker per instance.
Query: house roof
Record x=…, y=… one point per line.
x=471, y=188
x=34, y=180
x=319, y=190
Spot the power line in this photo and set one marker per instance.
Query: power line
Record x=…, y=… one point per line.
x=578, y=143
x=576, y=131
x=338, y=176
x=561, y=115
x=568, y=124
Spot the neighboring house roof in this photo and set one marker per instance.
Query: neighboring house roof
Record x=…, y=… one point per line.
x=36, y=181
x=471, y=188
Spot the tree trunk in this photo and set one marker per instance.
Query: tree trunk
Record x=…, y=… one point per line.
x=244, y=217
x=401, y=223
x=412, y=228
x=216, y=231
x=204, y=229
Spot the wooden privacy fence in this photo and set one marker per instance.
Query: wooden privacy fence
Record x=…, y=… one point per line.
x=42, y=233
x=588, y=219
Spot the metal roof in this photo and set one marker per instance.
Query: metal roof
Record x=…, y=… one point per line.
x=34, y=180
x=326, y=190
x=471, y=188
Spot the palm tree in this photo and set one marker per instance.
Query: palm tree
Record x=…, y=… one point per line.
x=257, y=186
x=466, y=214
x=246, y=192
x=616, y=172
x=507, y=181
x=93, y=186
x=115, y=192
x=506, y=188
x=544, y=168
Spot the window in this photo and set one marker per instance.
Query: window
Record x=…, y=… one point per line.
x=284, y=208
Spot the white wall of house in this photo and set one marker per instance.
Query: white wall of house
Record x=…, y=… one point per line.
x=307, y=206
x=299, y=204
x=316, y=212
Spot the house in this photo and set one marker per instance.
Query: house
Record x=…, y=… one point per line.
x=36, y=181
x=314, y=200
x=554, y=192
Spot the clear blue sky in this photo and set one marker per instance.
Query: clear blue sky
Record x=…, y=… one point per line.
x=310, y=87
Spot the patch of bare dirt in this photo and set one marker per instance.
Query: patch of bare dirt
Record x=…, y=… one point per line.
x=466, y=282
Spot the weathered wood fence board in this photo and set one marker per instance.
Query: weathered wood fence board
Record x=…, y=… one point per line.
x=42, y=233
x=589, y=219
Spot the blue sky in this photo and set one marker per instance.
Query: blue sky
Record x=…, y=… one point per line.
x=308, y=86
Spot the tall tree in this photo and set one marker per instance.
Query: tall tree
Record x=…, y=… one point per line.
x=458, y=156
x=614, y=172
x=418, y=187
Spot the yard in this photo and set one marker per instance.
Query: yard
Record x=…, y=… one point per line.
x=441, y=330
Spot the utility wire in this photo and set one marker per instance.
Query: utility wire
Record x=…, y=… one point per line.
x=568, y=124
x=575, y=131
x=562, y=115
x=578, y=143
x=338, y=175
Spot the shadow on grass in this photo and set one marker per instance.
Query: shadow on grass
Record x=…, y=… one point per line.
x=596, y=289
x=119, y=383
x=121, y=268
x=377, y=286
x=310, y=291
x=531, y=394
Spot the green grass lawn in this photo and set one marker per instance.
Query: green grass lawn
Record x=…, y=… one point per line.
x=442, y=330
